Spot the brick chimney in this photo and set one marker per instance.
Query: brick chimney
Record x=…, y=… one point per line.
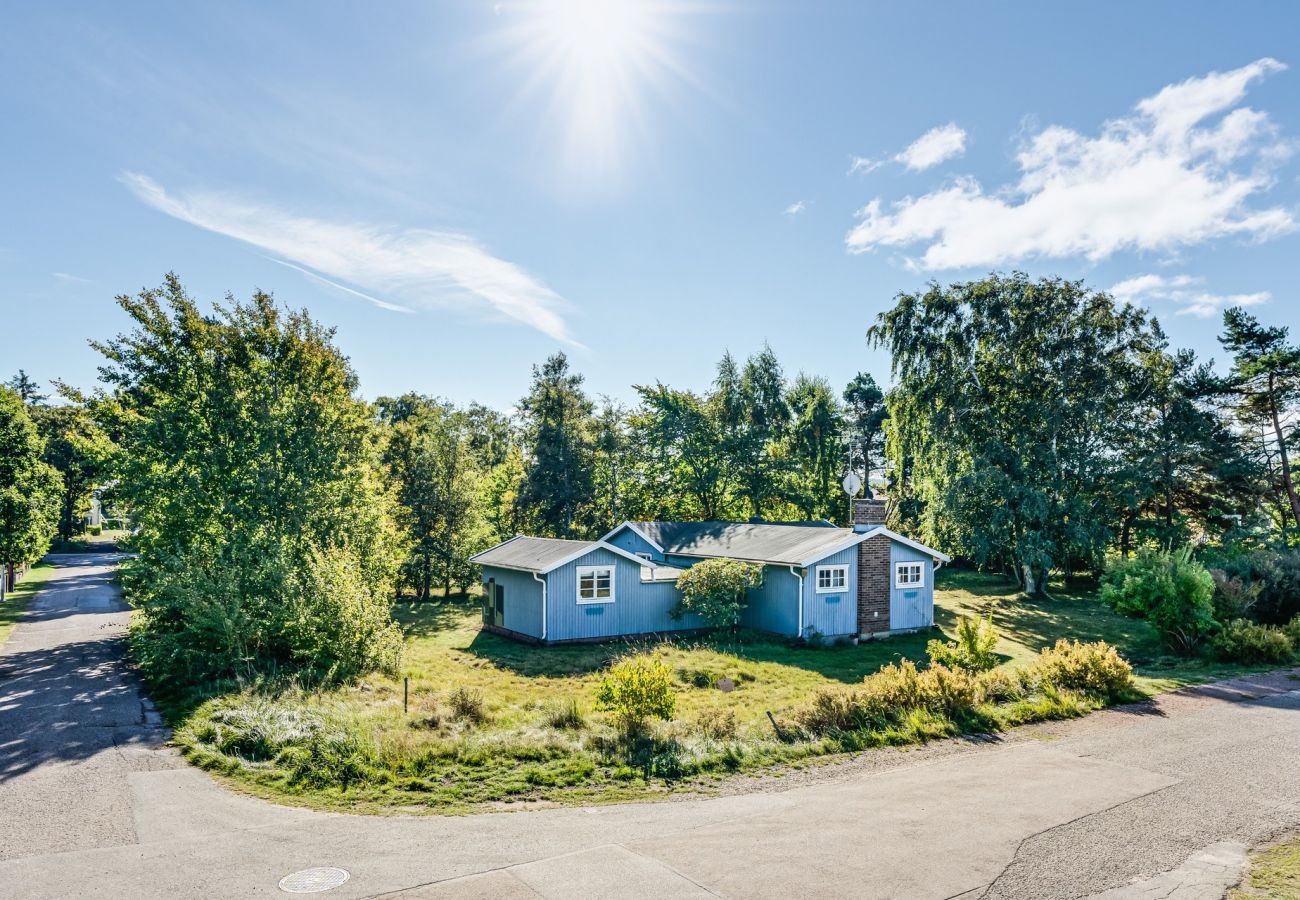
x=868, y=512
x=873, y=567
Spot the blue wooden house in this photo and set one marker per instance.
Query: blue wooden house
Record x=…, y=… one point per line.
x=817, y=578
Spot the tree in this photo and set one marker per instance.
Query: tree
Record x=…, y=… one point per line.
x=613, y=476
x=29, y=487
x=685, y=458
x=816, y=435
x=1265, y=379
x=27, y=390
x=1010, y=393
x=79, y=449
x=557, y=416
x=437, y=478
x=865, y=419
x=1181, y=465
x=716, y=589
x=755, y=417
x=266, y=536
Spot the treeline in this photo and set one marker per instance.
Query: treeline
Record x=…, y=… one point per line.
x=51, y=459
x=1036, y=426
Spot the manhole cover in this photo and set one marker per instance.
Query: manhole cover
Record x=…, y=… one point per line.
x=313, y=881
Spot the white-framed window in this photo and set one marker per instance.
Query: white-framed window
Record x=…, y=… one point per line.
x=909, y=574
x=832, y=579
x=643, y=555
x=595, y=584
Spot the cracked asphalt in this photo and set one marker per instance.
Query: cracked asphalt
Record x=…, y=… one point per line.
x=1155, y=800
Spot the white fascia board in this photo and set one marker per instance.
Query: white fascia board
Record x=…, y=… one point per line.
x=595, y=545
x=915, y=545
x=858, y=538
x=634, y=530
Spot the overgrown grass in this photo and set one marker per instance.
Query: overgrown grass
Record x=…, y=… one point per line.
x=1274, y=873
x=16, y=601
x=492, y=720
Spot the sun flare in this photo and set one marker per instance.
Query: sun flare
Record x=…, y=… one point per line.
x=595, y=64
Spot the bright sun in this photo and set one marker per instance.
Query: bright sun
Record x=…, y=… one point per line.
x=594, y=62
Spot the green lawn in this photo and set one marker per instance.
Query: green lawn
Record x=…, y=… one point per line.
x=11, y=608
x=485, y=720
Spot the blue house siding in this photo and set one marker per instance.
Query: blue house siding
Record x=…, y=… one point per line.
x=833, y=615
x=638, y=608
x=774, y=606
x=910, y=607
x=523, y=599
x=629, y=540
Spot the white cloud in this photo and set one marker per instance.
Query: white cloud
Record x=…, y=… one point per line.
x=1156, y=180
x=795, y=208
x=933, y=147
x=1185, y=292
x=422, y=268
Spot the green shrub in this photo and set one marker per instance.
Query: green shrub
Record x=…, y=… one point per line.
x=1248, y=642
x=1292, y=630
x=1094, y=669
x=636, y=689
x=1272, y=577
x=95, y=530
x=973, y=649
x=715, y=590
x=1170, y=590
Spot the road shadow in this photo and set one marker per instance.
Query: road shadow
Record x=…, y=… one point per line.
x=67, y=703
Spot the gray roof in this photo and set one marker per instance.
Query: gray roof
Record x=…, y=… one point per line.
x=755, y=541
x=532, y=554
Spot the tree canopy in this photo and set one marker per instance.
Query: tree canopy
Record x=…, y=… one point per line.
x=29, y=486
x=266, y=534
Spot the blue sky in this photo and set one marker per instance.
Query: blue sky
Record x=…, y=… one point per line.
x=464, y=187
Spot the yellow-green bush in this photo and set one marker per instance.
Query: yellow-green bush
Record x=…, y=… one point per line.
x=636, y=689
x=1249, y=642
x=1095, y=669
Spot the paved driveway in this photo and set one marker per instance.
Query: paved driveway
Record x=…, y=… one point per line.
x=1158, y=800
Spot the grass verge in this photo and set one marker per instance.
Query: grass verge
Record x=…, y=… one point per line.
x=16, y=601
x=1273, y=874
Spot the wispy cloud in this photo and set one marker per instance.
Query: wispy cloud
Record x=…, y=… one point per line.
x=1156, y=180
x=65, y=278
x=423, y=269
x=795, y=208
x=1185, y=292
x=937, y=145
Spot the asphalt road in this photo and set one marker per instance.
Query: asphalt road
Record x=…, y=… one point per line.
x=1159, y=800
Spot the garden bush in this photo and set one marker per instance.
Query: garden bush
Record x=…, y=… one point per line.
x=1170, y=590
x=1094, y=669
x=1244, y=641
x=715, y=590
x=1274, y=578
x=637, y=688
x=1292, y=630
x=973, y=649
